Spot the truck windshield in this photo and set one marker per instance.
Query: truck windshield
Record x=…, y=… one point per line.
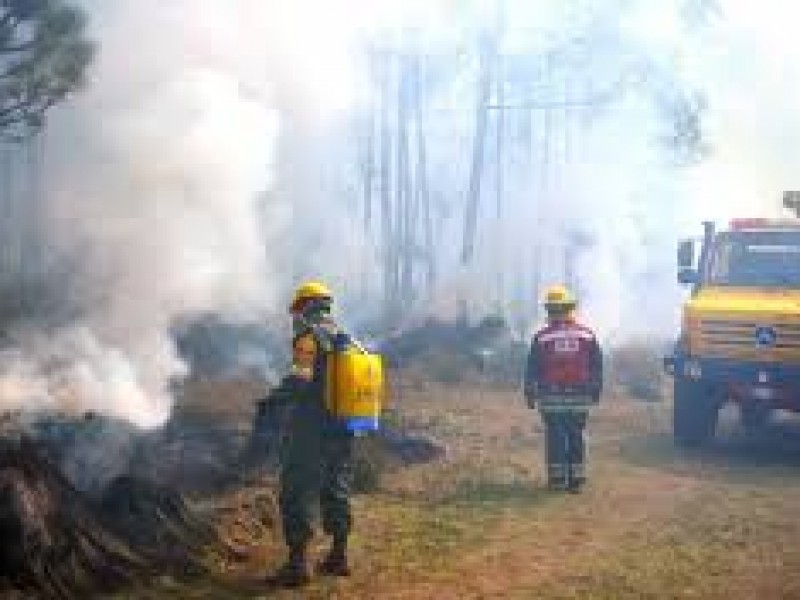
x=756, y=258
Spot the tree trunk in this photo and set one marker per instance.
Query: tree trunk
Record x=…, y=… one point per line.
x=402, y=190
x=386, y=189
x=478, y=149
x=422, y=188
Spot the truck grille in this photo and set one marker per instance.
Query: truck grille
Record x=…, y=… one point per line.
x=749, y=340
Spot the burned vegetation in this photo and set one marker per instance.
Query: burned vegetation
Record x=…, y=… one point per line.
x=59, y=541
x=55, y=542
x=90, y=504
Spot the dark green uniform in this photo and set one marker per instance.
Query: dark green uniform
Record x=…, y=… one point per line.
x=316, y=464
x=316, y=453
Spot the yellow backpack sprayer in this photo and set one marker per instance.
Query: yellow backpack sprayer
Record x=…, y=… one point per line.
x=355, y=387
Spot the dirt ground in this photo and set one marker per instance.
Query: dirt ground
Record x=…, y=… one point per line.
x=654, y=522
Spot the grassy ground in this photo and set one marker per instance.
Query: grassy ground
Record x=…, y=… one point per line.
x=653, y=523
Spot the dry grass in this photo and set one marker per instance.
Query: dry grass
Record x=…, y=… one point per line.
x=232, y=401
x=654, y=522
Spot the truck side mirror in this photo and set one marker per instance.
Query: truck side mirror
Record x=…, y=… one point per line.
x=688, y=276
x=686, y=254
x=791, y=202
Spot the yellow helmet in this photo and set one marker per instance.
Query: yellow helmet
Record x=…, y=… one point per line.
x=559, y=297
x=310, y=290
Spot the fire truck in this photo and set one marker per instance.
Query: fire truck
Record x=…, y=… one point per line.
x=740, y=335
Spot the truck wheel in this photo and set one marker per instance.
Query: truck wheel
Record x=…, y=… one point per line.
x=754, y=417
x=694, y=414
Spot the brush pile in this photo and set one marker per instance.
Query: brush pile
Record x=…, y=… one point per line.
x=57, y=541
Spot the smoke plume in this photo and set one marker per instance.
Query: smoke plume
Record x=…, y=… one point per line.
x=211, y=163
x=155, y=203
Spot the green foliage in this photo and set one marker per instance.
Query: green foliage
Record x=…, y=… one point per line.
x=43, y=58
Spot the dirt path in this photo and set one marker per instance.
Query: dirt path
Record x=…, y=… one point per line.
x=654, y=522
x=646, y=526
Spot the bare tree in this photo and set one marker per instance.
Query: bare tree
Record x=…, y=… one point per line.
x=384, y=59
x=422, y=184
x=487, y=49
x=683, y=114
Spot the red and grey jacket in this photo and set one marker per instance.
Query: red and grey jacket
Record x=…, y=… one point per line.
x=564, y=360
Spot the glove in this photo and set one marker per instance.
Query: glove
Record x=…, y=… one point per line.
x=264, y=434
x=267, y=419
x=271, y=409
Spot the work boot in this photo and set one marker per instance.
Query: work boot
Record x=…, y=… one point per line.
x=577, y=478
x=556, y=477
x=335, y=562
x=576, y=485
x=294, y=572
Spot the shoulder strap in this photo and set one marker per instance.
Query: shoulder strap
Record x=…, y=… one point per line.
x=331, y=337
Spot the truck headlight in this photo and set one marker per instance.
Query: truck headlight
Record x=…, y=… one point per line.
x=692, y=369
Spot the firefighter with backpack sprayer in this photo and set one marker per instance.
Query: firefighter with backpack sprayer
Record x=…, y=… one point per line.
x=333, y=393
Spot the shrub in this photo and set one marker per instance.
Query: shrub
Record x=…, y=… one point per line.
x=636, y=367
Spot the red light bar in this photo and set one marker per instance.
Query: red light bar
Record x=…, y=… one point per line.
x=737, y=224
x=760, y=223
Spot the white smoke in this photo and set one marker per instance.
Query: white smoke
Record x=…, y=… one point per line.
x=617, y=188
x=750, y=68
x=743, y=62
x=210, y=164
x=156, y=195
x=741, y=59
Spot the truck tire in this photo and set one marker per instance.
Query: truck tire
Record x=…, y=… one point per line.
x=694, y=414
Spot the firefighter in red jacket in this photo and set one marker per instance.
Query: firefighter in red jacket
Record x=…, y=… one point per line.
x=564, y=377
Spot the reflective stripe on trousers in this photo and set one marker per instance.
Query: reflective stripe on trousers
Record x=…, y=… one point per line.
x=564, y=445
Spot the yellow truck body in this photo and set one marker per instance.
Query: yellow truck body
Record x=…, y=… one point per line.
x=740, y=335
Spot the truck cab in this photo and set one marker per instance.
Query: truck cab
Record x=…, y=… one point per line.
x=740, y=335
